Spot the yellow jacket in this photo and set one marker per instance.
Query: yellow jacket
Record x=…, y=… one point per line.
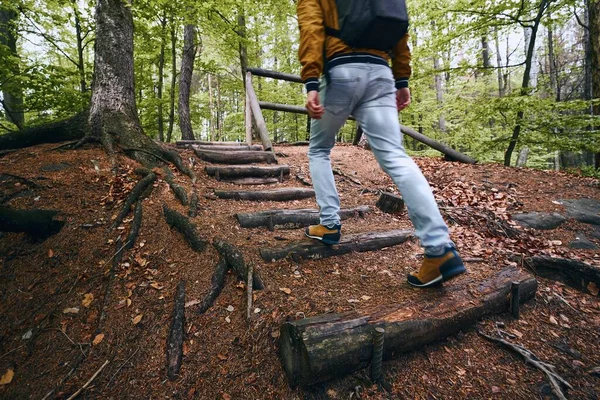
x=313, y=16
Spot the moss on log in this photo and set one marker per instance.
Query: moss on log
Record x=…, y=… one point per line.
x=182, y=224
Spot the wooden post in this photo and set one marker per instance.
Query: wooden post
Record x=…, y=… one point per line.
x=514, y=299
x=248, y=112
x=257, y=114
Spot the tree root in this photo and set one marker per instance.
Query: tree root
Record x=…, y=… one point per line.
x=555, y=380
x=235, y=259
x=177, y=189
x=136, y=194
x=217, y=281
x=135, y=226
x=176, y=334
x=193, y=212
x=185, y=227
x=38, y=224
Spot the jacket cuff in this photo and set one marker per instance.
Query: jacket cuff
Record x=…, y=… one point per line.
x=311, y=84
x=401, y=83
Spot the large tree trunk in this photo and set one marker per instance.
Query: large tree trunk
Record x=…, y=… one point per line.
x=161, y=69
x=526, y=80
x=190, y=48
x=12, y=92
x=594, y=32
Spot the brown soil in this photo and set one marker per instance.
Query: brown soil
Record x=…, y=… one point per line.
x=227, y=357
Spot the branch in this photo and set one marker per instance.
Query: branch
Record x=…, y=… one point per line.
x=578, y=20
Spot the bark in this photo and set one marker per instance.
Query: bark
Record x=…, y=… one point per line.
x=204, y=143
x=390, y=203
x=485, y=52
x=250, y=171
x=12, y=92
x=176, y=334
x=136, y=194
x=254, y=181
x=228, y=148
x=574, y=273
x=594, y=34
x=526, y=80
x=185, y=227
x=312, y=249
x=327, y=346
x=211, y=135
x=39, y=224
x=173, y=80
x=242, y=48
x=292, y=218
x=501, y=86
x=80, y=46
x=217, y=281
x=267, y=195
x=190, y=48
x=161, y=78
x=236, y=157
x=235, y=259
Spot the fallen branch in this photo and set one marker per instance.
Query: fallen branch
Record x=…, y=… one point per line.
x=530, y=358
x=337, y=171
x=74, y=395
x=185, y=227
x=217, y=281
x=235, y=259
x=176, y=334
x=249, y=285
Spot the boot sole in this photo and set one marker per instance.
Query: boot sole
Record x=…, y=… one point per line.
x=326, y=241
x=447, y=274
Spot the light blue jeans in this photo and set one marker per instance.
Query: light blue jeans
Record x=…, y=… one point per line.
x=367, y=92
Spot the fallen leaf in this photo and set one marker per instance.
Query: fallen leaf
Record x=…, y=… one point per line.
x=50, y=253
x=87, y=300
x=517, y=333
x=365, y=298
x=128, y=302
x=593, y=288
x=99, y=337
x=226, y=396
x=137, y=319
x=230, y=308
x=222, y=357
x=71, y=310
x=192, y=303
x=256, y=310
x=286, y=290
x=495, y=389
x=553, y=320
x=461, y=371
x=7, y=377
x=227, y=319
x=156, y=286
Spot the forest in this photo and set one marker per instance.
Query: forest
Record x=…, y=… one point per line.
x=494, y=79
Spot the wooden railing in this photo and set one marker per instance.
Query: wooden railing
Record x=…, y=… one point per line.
x=254, y=106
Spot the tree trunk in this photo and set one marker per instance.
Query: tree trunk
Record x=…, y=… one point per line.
x=594, y=32
x=173, y=80
x=292, y=218
x=190, y=48
x=12, y=92
x=485, y=52
x=501, y=87
x=526, y=79
x=79, y=39
x=242, y=44
x=211, y=127
x=161, y=78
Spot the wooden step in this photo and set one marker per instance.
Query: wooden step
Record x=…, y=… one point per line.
x=225, y=148
x=247, y=171
x=254, y=181
x=236, y=157
x=205, y=143
x=313, y=249
x=319, y=348
x=266, y=195
x=292, y=218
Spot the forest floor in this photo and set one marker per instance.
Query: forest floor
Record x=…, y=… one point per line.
x=42, y=337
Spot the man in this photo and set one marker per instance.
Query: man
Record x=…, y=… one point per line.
x=360, y=83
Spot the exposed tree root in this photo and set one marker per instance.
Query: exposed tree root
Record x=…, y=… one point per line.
x=235, y=259
x=38, y=224
x=193, y=212
x=135, y=226
x=555, y=380
x=185, y=227
x=136, y=194
x=177, y=189
x=176, y=334
x=217, y=281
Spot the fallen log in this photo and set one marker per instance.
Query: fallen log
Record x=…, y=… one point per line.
x=205, y=143
x=577, y=274
x=266, y=195
x=39, y=224
x=185, y=227
x=217, y=281
x=246, y=147
x=235, y=259
x=313, y=249
x=254, y=181
x=176, y=334
x=247, y=171
x=390, y=203
x=292, y=218
x=320, y=348
x=236, y=157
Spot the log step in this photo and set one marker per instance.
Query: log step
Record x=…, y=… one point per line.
x=225, y=148
x=313, y=249
x=236, y=157
x=254, y=181
x=266, y=195
x=247, y=171
x=208, y=143
x=320, y=348
x=292, y=218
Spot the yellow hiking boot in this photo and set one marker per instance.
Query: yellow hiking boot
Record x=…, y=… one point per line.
x=328, y=235
x=436, y=270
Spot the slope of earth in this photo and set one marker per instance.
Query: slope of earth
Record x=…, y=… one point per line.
x=57, y=295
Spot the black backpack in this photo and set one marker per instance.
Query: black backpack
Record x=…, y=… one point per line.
x=371, y=24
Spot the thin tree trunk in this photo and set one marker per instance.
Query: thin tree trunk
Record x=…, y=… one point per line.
x=79, y=38
x=211, y=135
x=219, y=110
x=173, y=80
x=439, y=94
x=498, y=64
x=242, y=44
x=485, y=52
x=526, y=79
x=161, y=70
x=12, y=92
x=190, y=48
x=594, y=32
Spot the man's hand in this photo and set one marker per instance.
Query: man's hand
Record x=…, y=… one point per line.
x=314, y=107
x=402, y=98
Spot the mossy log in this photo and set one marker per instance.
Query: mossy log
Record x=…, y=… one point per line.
x=217, y=281
x=176, y=334
x=313, y=249
x=267, y=195
x=254, y=181
x=390, y=203
x=235, y=259
x=185, y=227
x=320, y=348
x=236, y=157
x=39, y=224
x=247, y=171
x=292, y=218
x=577, y=274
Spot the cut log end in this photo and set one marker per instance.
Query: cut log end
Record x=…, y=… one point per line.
x=390, y=203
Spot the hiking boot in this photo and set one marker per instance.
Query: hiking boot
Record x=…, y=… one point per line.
x=438, y=269
x=326, y=234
